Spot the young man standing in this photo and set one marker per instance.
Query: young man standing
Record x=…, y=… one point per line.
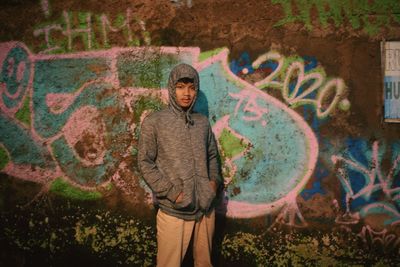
x=178, y=158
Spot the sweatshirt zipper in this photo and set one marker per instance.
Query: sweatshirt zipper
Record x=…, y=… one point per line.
x=193, y=168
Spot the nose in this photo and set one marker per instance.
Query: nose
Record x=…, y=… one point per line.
x=186, y=91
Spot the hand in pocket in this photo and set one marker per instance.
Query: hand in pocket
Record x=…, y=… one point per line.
x=179, y=198
x=213, y=185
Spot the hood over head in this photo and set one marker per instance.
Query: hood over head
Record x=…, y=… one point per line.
x=178, y=72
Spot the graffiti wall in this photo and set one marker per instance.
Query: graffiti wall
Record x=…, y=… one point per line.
x=293, y=91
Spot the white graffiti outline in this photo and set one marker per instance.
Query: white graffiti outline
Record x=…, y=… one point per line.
x=319, y=83
x=88, y=33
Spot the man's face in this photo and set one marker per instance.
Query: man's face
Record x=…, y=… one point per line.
x=185, y=93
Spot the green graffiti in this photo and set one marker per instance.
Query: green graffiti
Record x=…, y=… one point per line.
x=368, y=16
x=4, y=159
x=61, y=187
x=24, y=114
x=84, y=25
x=119, y=24
x=52, y=43
x=230, y=144
x=210, y=53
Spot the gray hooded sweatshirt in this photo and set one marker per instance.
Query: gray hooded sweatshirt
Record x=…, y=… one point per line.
x=178, y=153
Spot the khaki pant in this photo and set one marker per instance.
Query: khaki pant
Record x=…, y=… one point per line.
x=173, y=237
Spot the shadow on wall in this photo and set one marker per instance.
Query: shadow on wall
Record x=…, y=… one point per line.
x=201, y=105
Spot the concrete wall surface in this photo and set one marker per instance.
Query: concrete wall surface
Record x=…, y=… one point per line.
x=294, y=93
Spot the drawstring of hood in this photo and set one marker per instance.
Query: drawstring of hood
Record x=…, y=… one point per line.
x=178, y=72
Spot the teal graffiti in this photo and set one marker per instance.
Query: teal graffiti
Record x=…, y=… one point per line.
x=15, y=75
x=64, y=76
x=79, y=123
x=86, y=110
x=278, y=149
x=20, y=145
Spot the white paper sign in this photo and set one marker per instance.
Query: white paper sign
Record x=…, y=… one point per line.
x=391, y=90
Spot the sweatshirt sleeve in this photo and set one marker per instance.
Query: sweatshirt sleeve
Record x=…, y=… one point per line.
x=147, y=155
x=213, y=159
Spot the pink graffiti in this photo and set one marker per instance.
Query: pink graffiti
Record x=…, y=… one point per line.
x=31, y=173
x=383, y=238
x=251, y=106
x=86, y=121
x=58, y=103
x=291, y=216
